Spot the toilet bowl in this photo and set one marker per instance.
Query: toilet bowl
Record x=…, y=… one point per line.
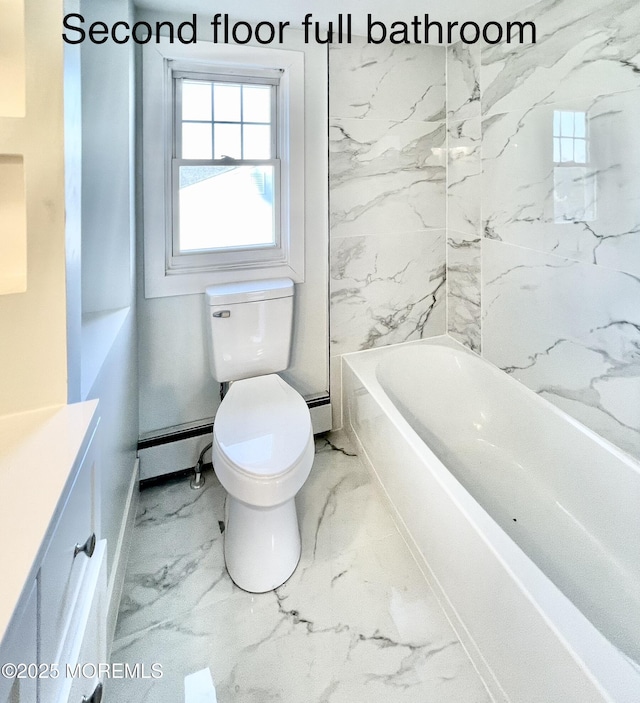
x=263, y=451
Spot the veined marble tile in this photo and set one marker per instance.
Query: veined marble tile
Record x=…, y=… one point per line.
x=176, y=561
x=397, y=649
x=338, y=489
x=584, y=48
x=386, y=289
x=576, y=194
x=364, y=628
x=463, y=81
x=335, y=386
x=387, y=82
x=463, y=289
x=356, y=621
x=386, y=177
x=568, y=330
x=463, y=176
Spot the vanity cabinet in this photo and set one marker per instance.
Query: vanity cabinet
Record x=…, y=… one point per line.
x=58, y=625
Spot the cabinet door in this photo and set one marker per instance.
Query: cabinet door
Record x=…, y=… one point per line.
x=20, y=647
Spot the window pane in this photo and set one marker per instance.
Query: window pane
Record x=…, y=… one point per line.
x=225, y=206
x=257, y=142
x=196, y=140
x=196, y=100
x=581, y=124
x=566, y=147
x=556, y=149
x=226, y=102
x=256, y=105
x=227, y=141
x=580, y=149
x=566, y=124
x=556, y=123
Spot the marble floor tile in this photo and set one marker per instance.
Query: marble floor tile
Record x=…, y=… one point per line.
x=176, y=561
x=355, y=622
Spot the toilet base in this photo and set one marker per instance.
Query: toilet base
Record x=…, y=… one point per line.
x=261, y=545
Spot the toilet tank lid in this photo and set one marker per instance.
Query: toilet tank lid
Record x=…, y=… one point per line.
x=248, y=291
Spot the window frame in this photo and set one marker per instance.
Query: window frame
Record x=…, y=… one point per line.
x=242, y=254
x=166, y=271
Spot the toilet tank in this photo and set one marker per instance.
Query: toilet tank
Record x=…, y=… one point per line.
x=249, y=328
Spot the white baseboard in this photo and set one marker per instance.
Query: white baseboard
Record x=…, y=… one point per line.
x=121, y=555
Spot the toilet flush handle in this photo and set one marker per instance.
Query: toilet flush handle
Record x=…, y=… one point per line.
x=222, y=313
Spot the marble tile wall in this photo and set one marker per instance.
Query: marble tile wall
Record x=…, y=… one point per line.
x=463, y=195
x=549, y=166
x=387, y=168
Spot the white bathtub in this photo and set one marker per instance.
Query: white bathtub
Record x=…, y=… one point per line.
x=527, y=523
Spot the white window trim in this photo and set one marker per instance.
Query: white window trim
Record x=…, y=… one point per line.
x=160, y=279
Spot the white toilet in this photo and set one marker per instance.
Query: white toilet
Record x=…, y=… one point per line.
x=262, y=437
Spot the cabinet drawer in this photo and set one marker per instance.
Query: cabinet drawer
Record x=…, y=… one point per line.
x=63, y=568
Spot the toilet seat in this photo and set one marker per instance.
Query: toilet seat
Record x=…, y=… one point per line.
x=262, y=428
x=263, y=445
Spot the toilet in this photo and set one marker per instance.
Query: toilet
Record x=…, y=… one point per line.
x=263, y=445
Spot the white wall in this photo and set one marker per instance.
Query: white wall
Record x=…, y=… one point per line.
x=175, y=384
x=107, y=112
x=101, y=249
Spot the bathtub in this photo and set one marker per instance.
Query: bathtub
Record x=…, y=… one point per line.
x=525, y=523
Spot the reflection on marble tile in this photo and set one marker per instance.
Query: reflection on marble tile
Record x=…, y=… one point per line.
x=463, y=289
x=463, y=81
x=568, y=330
x=355, y=622
x=576, y=195
x=463, y=176
x=386, y=289
x=582, y=49
x=386, y=177
x=387, y=82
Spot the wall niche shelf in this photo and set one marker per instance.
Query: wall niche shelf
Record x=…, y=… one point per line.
x=12, y=58
x=13, y=218
x=13, y=224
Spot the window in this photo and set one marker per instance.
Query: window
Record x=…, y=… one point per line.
x=226, y=171
x=574, y=183
x=232, y=126
x=569, y=137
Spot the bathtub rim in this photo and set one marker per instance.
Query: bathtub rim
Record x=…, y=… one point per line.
x=587, y=646
x=363, y=362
